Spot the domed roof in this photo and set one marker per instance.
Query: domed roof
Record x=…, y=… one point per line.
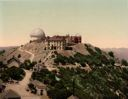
x=39, y=33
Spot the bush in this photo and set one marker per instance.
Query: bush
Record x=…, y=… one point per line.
x=40, y=61
x=97, y=83
x=61, y=59
x=82, y=64
x=124, y=62
x=112, y=61
x=2, y=65
x=111, y=54
x=19, y=56
x=91, y=51
x=16, y=73
x=2, y=52
x=32, y=88
x=98, y=50
x=28, y=64
x=59, y=93
x=95, y=59
x=53, y=56
x=13, y=73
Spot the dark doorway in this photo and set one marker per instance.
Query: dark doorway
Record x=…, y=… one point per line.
x=41, y=92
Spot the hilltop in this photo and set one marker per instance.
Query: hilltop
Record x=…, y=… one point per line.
x=57, y=50
x=83, y=70
x=36, y=52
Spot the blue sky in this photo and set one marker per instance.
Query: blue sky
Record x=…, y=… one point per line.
x=100, y=22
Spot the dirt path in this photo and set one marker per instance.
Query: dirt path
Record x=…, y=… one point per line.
x=49, y=54
x=20, y=88
x=32, y=55
x=26, y=79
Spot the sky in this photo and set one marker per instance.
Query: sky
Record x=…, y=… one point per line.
x=103, y=23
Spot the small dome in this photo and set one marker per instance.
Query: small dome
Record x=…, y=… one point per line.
x=38, y=33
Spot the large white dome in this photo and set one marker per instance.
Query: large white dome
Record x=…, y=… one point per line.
x=38, y=33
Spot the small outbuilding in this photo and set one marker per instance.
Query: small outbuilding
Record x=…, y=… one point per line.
x=14, y=62
x=40, y=87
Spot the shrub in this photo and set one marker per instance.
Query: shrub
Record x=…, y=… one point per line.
x=13, y=73
x=97, y=83
x=28, y=64
x=53, y=56
x=61, y=59
x=98, y=50
x=112, y=61
x=91, y=51
x=16, y=73
x=40, y=61
x=111, y=54
x=124, y=62
x=2, y=52
x=19, y=56
x=32, y=88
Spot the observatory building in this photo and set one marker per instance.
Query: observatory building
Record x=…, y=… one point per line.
x=38, y=34
x=55, y=42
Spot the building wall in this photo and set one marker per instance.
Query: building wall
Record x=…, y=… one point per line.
x=55, y=45
x=14, y=63
x=41, y=91
x=75, y=39
x=61, y=44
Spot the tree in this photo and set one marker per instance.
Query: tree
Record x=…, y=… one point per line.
x=2, y=52
x=112, y=61
x=2, y=65
x=111, y=54
x=16, y=73
x=40, y=61
x=98, y=50
x=100, y=82
x=19, y=56
x=124, y=62
x=28, y=64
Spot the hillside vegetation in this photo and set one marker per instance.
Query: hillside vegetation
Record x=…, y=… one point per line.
x=104, y=83
x=96, y=57
x=105, y=80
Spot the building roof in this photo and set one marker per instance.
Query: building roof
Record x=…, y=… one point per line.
x=38, y=84
x=39, y=33
x=10, y=94
x=56, y=38
x=73, y=97
x=44, y=97
x=14, y=59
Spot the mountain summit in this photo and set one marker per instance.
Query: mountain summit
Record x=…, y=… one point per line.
x=61, y=67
